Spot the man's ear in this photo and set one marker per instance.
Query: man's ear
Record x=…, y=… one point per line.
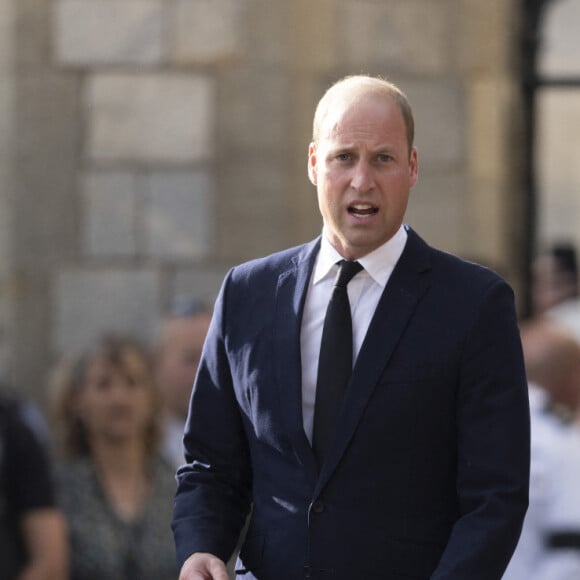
x=413, y=167
x=312, y=164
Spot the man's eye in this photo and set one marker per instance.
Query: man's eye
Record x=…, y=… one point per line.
x=343, y=156
x=384, y=158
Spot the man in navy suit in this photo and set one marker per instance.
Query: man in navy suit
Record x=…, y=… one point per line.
x=426, y=472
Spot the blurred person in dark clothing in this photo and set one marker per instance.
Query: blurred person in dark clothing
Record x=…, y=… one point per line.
x=32, y=529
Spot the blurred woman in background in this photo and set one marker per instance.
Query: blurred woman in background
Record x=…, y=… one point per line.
x=115, y=490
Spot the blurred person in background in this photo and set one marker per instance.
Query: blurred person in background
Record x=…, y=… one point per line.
x=554, y=277
x=549, y=547
x=178, y=353
x=556, y=286
x=33, y=542
x=179, y=348
x=114, y=488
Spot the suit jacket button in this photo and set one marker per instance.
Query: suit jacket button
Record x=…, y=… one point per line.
x=307, y=572
x=318, y=507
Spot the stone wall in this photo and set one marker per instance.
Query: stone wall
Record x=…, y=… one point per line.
x=158, y=142
x=6, y=126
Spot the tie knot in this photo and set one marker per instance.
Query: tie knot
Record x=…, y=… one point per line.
x=347, y=269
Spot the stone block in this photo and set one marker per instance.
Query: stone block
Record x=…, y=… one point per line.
x=6, y=36
x=45, y=154
x=89, y=33
x=30, y=328
x=201, y=283
x=7, y=88
x=313, y=37
x=485, y=35
x=90, y=302
x=5, y=342
x=207, y=31
x=32, y=34
x=266, y=33
x=255, y=111
x=410, y=36
x=305, y=218
x=489, y=102
x=440, y=121
x=109, y=214
x=492, y=101
x=255, y=210
x=150, y=118
x=6, y=224
x=439, y=212
x=178, y=210
x=7, y=91
x=5, y=230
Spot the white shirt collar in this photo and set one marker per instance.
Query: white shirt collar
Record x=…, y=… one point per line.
x=379, y=264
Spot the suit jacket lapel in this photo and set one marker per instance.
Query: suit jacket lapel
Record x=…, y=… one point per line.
x=290, y=297
x=407, y=285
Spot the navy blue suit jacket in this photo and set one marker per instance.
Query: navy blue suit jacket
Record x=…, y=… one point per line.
x=427, y=475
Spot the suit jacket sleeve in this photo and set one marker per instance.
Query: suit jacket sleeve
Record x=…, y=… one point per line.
x=213, y=494
x=493, y=446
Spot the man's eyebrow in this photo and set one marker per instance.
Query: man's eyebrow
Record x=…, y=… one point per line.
x=343, y=149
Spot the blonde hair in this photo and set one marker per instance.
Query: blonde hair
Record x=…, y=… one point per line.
x=355, y=86
x=69, y=379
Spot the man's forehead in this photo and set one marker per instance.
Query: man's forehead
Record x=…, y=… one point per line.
x=345, y=125
x=347, y=106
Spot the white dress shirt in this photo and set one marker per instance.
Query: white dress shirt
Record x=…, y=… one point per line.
x=554, y=499
x=364, y=292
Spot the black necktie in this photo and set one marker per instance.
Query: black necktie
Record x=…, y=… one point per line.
x=335, y=362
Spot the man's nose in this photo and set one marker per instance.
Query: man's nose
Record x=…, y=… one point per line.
x=362, y=178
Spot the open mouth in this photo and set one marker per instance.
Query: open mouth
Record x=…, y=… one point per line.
x=362, y=210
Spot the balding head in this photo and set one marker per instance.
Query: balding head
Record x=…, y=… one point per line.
x=351, y=89
x=552, y=358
